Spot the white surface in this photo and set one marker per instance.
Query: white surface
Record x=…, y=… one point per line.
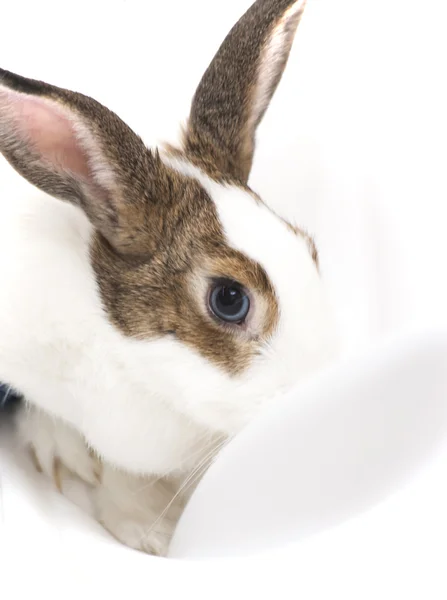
x=334, y=449
x=355, y=147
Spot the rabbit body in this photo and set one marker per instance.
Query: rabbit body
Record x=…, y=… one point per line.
x=151, y=302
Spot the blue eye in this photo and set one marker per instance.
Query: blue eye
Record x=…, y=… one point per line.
x=228, y=301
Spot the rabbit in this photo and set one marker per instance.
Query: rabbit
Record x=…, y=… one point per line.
x=152, y=303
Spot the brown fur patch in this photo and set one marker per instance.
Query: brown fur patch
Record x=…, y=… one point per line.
x=163, y=291
x=225, y=113
x=309, y=240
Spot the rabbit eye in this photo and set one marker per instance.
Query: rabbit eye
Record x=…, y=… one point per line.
x=228, y=301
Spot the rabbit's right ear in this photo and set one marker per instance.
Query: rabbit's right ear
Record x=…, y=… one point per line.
x=237, y=87
x=73, y=148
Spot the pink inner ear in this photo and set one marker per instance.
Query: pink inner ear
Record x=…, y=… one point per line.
x=49, y=129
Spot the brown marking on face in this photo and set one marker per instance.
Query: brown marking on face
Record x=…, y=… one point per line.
x=163, y=291
x=309, y=240
x=312, y=248
x=204, y=164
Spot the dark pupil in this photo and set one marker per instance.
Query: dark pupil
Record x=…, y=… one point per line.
x=229, y=302
x=230, y=298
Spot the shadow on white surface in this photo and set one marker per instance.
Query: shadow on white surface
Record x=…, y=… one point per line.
x=324, y=454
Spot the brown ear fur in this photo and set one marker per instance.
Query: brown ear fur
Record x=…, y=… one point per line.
x=73, y=148
x=235, y=91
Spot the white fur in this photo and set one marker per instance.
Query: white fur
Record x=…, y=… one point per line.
x=142, y=404
x=141, y=512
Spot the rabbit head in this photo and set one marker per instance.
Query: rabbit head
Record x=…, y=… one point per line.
x=202, y=302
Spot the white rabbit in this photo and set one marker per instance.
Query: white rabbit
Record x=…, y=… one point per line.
x=151, y=302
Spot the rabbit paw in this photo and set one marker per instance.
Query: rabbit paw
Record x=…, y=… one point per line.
x=140, y=512
x=57, y=449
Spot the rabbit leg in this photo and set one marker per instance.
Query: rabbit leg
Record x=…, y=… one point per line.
x=139, y=511
x=56, y=448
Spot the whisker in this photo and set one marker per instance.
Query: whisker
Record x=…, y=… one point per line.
x=196, y=452
x=197, y=472
x=6, y=396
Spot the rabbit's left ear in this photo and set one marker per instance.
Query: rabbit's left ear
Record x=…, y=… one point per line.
x=237, y=87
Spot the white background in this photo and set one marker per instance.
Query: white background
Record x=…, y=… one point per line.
x=354, y=146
